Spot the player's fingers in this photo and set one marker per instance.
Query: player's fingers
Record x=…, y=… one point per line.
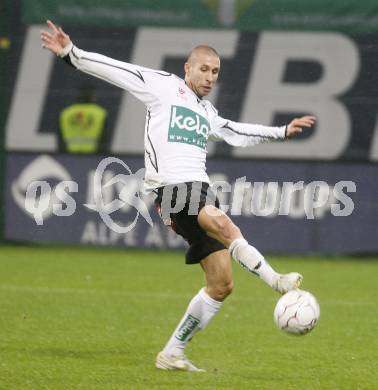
x=52, y=25
x=46, y=38
x=46, y=45
x=303, y=122
x=62, y=32
x=46, y=35
x=309, y=122
x=45, y=41
x=294, y=129
x=308, y=119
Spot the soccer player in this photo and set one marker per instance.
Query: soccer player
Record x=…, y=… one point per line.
x=179, y=123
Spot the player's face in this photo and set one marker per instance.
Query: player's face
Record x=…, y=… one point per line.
x=202, y=73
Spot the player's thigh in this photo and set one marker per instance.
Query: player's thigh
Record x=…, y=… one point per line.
x=218, y=274
x=218, y=225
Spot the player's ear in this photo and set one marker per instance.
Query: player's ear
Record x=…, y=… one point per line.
x=186, y=67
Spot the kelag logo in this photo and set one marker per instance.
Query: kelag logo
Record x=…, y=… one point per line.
x=188, y=127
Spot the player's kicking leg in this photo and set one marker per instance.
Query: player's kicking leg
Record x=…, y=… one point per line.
x=219, y=226
x=201, y=309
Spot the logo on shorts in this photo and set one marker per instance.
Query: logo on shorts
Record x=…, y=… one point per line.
x=188, y=127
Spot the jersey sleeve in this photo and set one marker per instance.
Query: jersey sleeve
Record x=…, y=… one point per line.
x=244, y=134
x=143, y=83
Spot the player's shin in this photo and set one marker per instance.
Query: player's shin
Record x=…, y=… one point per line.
x=200, y=311
x=252, y=260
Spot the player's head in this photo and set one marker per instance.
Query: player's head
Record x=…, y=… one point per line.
x=202, y=69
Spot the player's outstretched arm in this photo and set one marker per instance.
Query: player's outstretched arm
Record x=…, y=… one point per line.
x=55, y=39
x=145, y=84
x=297, y=124
x=248, y=134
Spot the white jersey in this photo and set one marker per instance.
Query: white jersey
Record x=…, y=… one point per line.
x=178, y=122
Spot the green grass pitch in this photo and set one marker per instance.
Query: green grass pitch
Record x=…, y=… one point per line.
x=80, y=318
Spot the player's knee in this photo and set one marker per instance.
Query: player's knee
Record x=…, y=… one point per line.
x=222, y=290
x=228, y=288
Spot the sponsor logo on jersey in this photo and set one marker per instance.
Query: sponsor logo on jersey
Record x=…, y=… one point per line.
x=188, y=127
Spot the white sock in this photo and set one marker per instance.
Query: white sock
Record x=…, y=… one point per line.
x=252, y=260
x=200, y=311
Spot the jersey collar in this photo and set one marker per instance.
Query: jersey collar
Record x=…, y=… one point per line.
x=199, y=98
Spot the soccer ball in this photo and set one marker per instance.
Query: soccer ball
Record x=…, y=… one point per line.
x=297, y=312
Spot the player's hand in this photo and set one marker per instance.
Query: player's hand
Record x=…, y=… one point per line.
x=297, y=124
x=55, y=40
